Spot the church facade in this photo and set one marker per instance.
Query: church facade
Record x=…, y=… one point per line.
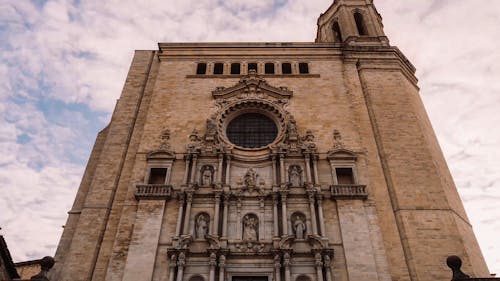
x=270, y=162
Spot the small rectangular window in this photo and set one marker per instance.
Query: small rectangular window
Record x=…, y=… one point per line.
x=303, y=68
x=344, y=175
x=286, y=68
x=157, y=176
x=235, y=68
x=269, y=68
x=252, y=66
x=218, y=68
x=201, y=69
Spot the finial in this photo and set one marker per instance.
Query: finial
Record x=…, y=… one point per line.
x=455, y=263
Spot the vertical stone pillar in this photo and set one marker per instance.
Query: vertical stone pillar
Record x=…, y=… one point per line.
x=328, y=267
x=312, y=209
x=307, y=162
x=284, y=219
x=189, y=200
x=286, y=264
x=172, y=265
x=187, y=159
x=275, y=215
x=212, y=263
x=238, y=219
x=219, y=170
x=193, y=168
x=277, y=268
x=222, y=267
x=282, y=169
x=228, y=168
x=224, y=215
x=320, y=215
x=319, y=266
x=274, y=169
x=315, y=169
x=215, y=226
x=180, y=266
x=181, y=199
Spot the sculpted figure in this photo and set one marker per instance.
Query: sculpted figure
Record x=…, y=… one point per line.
x=201, y=226
x=194, y=144
x=292, y=127
x=250, y=228
x=206, y=177
x=250, y=178
x=211, y=128
x=300, y=227
x=294, y=176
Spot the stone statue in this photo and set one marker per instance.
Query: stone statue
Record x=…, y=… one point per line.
x=337, y=140
x=250, y=228
x=299, y=227
x=165, y=137
x=206, y=177
x=194, y=144
x=250, y=178
x=292, y=127
x=211, y=127
x=294, y=176
x=201, y=226
x=308, y=141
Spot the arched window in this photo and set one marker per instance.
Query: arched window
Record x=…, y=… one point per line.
x=337, y=35
x=360, y=23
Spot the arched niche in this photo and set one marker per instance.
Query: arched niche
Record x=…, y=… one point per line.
x=299, y=225
x=250, y=227
x=201, y=225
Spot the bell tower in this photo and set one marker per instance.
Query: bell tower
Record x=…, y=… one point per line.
x=352, y=22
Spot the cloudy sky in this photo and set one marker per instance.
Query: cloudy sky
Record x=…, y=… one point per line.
x=63, y=64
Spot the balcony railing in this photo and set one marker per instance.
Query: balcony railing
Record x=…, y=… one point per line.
x=349, y=191
x=153, y=191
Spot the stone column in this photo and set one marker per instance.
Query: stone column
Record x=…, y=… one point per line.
x=319, y=266
x=275, y=215
x=179, y=216
x=228, y=168
x=277, y=268
x=187, y=159
x=312, y=209
x=222, y=267
x=328, y=267
x=189, y=200
x=193, y=168
x=215, y=226
x=320, y=215
x=219, y=171
x=274, y=169
x=172, y=265
x=180, y=266
x=224, y=215
x=284, y=219
x=315, y=169
x=307, y=162
x=212, y=263
x=282, y=169
x=286, y=264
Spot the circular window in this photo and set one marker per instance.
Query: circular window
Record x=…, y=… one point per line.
x=251, y=130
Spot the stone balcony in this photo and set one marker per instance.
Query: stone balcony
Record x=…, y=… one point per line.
x=153, y=191
x=348, y=191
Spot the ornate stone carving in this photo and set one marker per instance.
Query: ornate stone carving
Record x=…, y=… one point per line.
x=194, y=145
x=337, y=140
x=207, y=175
x=182, y=259
x=250, y=247
x=165, y=140
x=250, y=227
x=308, y=144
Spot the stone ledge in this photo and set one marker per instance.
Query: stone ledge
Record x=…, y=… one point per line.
x=348, y=191
x=153, y=191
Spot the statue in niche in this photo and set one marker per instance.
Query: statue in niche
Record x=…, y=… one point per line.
x=206, y=176
x=250, y=227
x=202, y=226
x=299, y=226
x=250, y=178
x=294, y=176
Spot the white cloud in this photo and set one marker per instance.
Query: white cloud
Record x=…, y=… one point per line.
x=78, y=53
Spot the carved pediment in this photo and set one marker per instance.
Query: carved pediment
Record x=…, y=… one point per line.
x=252, y=86
x=341, y=154
x=160, y=154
